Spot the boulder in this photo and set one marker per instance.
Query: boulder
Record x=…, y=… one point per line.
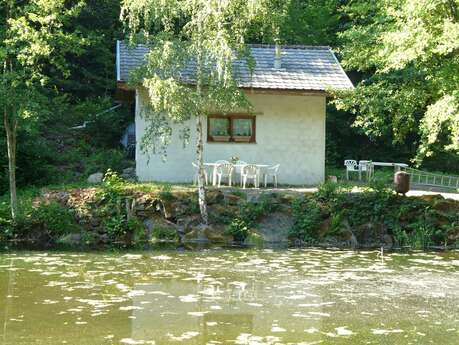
x=73, y=239
x=453, y=234
x=160, y=229
x=387, y=241
x=254, y=239
x=288, y=198
x=233, y=199
x=353, y=243
x=203, y=233
x=186, y=224
x=149, y=225
x=129, y=171
x=96, y=178
x=371, y=235
x=129, y=174
x=169, y=210
x=325, y=227
x=216, y=234
x=275, y=227
x=214, y=197
x=430, y=197
x=447, y=206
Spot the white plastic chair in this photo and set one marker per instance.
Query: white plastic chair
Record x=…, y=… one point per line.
x=351, y=166
x=196, y=174
x=224, y=170
x=272, y=171
x=366, y=167
x=250, y=171
x=238, y=169
x=214, y=172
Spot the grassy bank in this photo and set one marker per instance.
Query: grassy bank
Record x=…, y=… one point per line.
x=120, y=213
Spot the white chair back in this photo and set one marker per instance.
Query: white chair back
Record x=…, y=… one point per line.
x=250, y=170
x=222, y=161
x=350, y=164
x=225, y=169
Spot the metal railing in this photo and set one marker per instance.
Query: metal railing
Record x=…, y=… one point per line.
x=424, y=178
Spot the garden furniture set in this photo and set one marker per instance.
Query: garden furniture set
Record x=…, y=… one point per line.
x=245, y=172
x=367, y=167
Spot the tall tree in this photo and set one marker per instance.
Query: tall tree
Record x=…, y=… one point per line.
x=32, y=40
x=310, y=22
x=206, y=35
x=410, y=50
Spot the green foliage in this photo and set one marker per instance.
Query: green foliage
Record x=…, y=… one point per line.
x=51, y=219
x=248, y=215
x=103, y=160
x=313, y=22
x=112, y=180
x=405, y=49
x=54, y=54
x=114, y=208
x=54, y=219
x=307, y=219
x=120, y=228
x=164, y=234
x=327, y=191
x=165, y=193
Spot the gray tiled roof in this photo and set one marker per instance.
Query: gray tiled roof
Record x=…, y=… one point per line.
x=302, y=68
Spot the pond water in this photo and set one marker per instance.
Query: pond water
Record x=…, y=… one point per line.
x=298, y=296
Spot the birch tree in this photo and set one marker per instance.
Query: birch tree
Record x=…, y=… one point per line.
x=33, y=40
x=204, y=35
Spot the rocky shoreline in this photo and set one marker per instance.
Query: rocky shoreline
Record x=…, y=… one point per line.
x=113, y=215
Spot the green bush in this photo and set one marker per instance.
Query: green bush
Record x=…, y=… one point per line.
x=54, y=218
x=165, y=193
x=247, y=218
x=164, y=233
x=307, y=219
x=103, y=160
x=50, y=219
x=239, y=229
x=327, y=191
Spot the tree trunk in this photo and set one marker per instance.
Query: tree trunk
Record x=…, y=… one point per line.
x=199, y=139
x=201, y=178
x=10, y=129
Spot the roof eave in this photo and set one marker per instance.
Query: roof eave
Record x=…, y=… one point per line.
x=121, y=84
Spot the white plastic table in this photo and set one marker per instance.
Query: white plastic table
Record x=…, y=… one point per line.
x=387, y=164
x=397, y=166
x=214, y=171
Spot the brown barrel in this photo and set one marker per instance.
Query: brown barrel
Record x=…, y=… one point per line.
x=402, y=182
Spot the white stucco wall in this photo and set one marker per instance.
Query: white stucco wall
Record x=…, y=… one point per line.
x=290, y=130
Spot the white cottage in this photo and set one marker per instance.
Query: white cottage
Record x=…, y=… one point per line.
x=287, y=127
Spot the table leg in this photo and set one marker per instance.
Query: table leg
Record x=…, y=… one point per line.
x=214, y=177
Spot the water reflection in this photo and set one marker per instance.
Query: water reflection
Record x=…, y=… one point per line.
x=224, y=296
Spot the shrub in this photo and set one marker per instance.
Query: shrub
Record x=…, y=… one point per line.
x=247, y=217
x=327, y=191
x=54, y=218
x=239, y=229
x=165, y=193
x=111, y=179
x=164, y=233
x=307, y=219
x=103, y=160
